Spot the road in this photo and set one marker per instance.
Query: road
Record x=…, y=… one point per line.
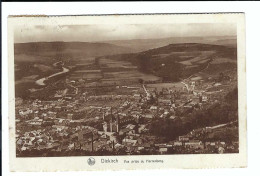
x=183, y=81
x=147, y=93
x=222, y=125
x=76, y=89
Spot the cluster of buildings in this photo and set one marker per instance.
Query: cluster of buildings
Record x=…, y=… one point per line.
x=78, y=118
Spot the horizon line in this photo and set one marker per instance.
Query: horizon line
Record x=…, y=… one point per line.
x=104, y=41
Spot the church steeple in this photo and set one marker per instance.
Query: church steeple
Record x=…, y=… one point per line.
x=117, y=123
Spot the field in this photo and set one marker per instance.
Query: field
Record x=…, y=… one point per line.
x=196, y=78
x=220, y=67
x=171, y=63
x=122, y=72
x=128, y=76
x=26, y=79
x=109, y=63
x=38, y=57
x=85, y=76
x=223, y=60
x=175, y=62
x=160, y=86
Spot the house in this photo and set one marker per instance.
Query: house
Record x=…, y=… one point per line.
x=213, y=144
x=183, y=138
x=177, y=143
x=123, y=131
x=220, y=144
x=163, y=150
x=70, y=116
x=172, y=117
x=131, y=128
x=113, y=137
x=124, y=120
x=87, y=135
x=165, y=102
x=153, y=107
x=204, y=99
x=25, y=112
x=127, y=141
x=140, y=148
x=149, y=116
x=137, y=96
x=36, y=121
x=196, y=144
x=221, y=150
x=141, y=129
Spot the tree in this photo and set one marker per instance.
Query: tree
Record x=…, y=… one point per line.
x=141, y=81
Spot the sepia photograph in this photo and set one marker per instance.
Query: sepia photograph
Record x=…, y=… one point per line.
x=125, y=89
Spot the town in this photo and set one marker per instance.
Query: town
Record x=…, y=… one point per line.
x=78, y=116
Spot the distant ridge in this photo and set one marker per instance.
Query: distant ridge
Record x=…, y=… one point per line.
x=69, y=48
x=139, y=45
x=181, y=60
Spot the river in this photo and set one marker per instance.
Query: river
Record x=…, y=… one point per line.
x=41, y=81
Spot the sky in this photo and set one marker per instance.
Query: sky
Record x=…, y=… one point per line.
x=98, y=33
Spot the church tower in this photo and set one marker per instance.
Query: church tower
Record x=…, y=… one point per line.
x=105, y=127
x=117, y=123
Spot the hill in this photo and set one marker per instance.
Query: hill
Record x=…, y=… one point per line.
x=178, y=61
x=139, y=45
x=70, y=50
x=35, y=60
x=170, y=63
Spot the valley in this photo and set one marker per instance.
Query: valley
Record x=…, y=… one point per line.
x=103, y=99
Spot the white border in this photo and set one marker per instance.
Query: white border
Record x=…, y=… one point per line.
x=252, y=16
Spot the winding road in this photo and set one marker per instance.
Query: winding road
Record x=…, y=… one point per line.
x=185, y=84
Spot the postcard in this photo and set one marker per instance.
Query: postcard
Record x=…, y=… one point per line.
x=113, y=92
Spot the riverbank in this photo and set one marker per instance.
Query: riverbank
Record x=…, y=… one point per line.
x=41, y=81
